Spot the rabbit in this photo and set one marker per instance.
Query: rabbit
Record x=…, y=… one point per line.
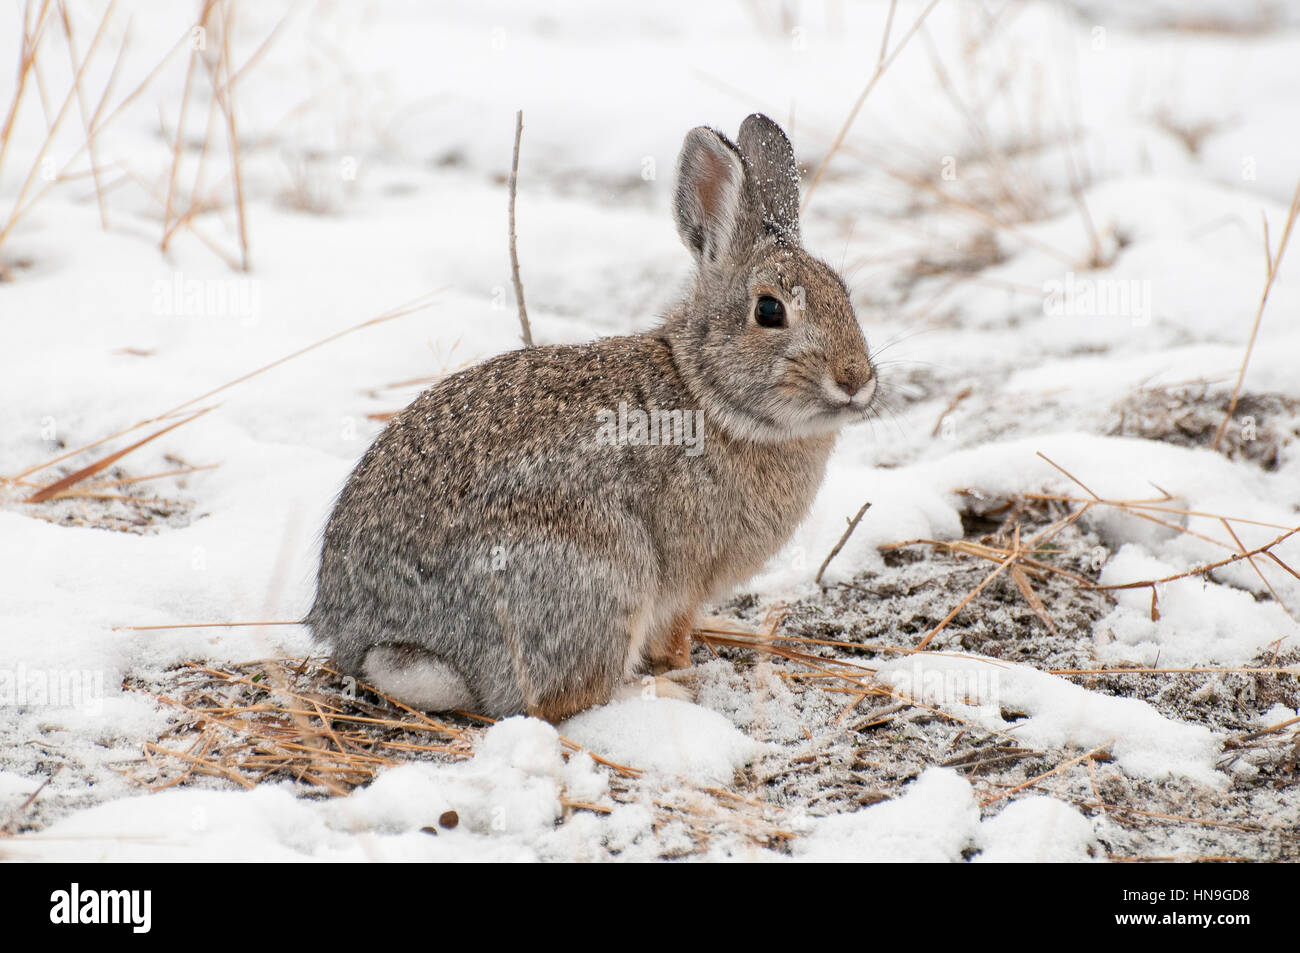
x=492, y=553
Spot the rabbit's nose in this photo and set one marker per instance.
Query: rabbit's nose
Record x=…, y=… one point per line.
x=852, y=378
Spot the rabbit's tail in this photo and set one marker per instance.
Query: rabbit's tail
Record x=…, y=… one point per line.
x=416, y=678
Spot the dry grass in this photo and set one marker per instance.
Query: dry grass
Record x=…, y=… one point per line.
x=28, y=66
x=216, y=19
x=223, y=74
x=301, y=720
x=1273, y=261
x=1160, y=510
x=1190, y=134
x=34, y=44
x=883, y=63
x=288, y=719
x=118, y=501
x=63, y=486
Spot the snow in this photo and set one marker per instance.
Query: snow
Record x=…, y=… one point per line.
x=1276, y=715
x=1036, y=830
x=1060, y=713
x=665, y=735
x=1197, y=620
x=419, y=102
x=506, y=800
x=937, y=821
x=933, y=822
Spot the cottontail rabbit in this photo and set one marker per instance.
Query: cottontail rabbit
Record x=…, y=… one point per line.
x=532, y=533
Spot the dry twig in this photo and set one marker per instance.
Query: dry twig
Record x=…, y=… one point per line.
x=526, y=330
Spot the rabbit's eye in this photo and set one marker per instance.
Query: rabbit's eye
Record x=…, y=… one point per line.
x=769, y=312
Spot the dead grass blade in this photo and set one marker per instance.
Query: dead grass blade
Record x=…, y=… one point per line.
x=1271, y=729
x=98, y=124
x=1087, y=755
x=952, y=404
x=54, y=126
x=1241, y=547
x=178, y=472
x=1208, y=567
x=199, y=625
x=59, y=487
x=416, y=304
x=190, y=70
x=227, y=104
x=82, y=108
x=1181, y=859
x=929, y=636
x=1136, y=507
x=1274, y=262
x=881, y=67
x=31, y=41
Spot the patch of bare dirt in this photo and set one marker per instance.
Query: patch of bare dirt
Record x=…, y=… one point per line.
x=1189, y=415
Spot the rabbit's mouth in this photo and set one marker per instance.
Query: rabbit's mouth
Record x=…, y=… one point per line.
x=838, y=401
x=816, y=402
x=824, y=415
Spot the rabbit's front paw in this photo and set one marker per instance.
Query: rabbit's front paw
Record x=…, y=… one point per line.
x=674, y=652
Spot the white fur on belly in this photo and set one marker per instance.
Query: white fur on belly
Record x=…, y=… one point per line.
x=423, y=683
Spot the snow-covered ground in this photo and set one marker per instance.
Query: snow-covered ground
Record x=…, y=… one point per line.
x=1052, y=217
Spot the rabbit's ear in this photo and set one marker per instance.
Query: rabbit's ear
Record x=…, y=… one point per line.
x=773, y=171
x=710, y=194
